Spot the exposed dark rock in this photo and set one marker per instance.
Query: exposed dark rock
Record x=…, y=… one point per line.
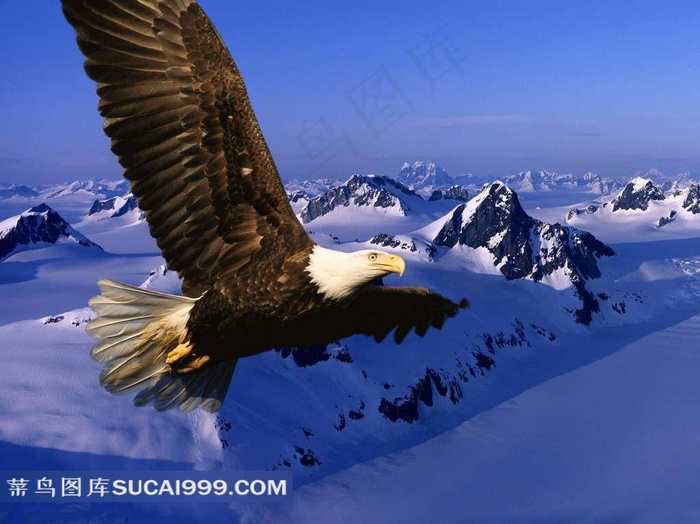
x=306, y=356
x=359, y=190
x=357, y=414
x=637, y=194
x=544, y=332
x=382, y=239
x=118, y=205
x=692, y=199
x=664, y=221
x=406, y=408
x=483, y=362
x=458, y=193
x=522, y=246
x=296, y=196
x=306, y=457
x=40, y=224
x=312, y=355
x=340, y=426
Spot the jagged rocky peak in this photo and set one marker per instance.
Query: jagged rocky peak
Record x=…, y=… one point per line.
x=455, y=192
x=115, y=206
x=424, y=177
x=298, y=199
x=523, y=247
x=38, y=225
x=298, y=195
x=637, y=194
x=691, y=202
x=493, y=219
x=369, y=191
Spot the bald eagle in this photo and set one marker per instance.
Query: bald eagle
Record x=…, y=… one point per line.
x=183, y=129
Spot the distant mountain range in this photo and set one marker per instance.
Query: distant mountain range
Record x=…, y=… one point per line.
x=99, y=188
x=534, y=181
x=644, y=199
x=424, y=177
x=421, y=177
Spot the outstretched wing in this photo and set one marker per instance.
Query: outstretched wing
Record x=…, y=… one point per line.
x=378, y=310
x=182, y=126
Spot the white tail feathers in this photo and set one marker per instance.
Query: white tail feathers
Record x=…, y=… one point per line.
x=137, y=328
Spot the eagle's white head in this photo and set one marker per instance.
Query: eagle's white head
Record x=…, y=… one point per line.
x=339, y=274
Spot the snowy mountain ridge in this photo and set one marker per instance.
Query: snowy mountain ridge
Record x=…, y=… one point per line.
x=37, y=226
x=370, y=192
x=642, y=203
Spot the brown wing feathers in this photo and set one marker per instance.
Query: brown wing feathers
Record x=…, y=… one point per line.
x=378, y=310
x=180, y=121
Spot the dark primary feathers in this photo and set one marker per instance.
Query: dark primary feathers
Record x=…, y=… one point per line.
x=378, y=310
x=183, y=128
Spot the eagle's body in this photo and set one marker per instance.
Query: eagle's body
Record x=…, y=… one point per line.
x=182, y=126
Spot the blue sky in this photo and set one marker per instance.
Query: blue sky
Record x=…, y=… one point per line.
x=488, y=87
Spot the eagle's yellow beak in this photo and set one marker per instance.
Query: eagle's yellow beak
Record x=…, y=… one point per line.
x=392, y=264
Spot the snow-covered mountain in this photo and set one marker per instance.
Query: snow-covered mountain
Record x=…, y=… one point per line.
x=424, y=177
x=691, y=198
x=644, y=204
x=298, y=199
x=301, y=192
x=311, y=187
x=116, y=207
x=534, y=181
x=637, y=195
x=495, y=225
x=38, y=226
x=368, y=193
x=99, y=188
x=17, y=190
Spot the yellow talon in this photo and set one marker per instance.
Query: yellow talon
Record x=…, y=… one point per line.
x=180, y=352
x=194, y=364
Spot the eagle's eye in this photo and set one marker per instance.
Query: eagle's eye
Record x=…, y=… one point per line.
x=372, y=257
